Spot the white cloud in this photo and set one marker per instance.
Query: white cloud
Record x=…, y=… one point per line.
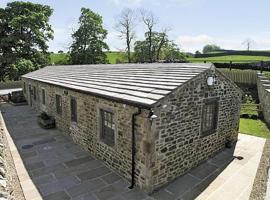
x=191, y=43
x=127, y=3
x=62, y=39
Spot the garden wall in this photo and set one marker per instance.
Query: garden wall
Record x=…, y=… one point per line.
x=264, y=96
x=241, y=76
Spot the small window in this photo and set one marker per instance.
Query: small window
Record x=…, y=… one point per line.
x=35, y=92
x=107, y=127
x=58, y=100
x=209, y=117
x=73, y=108
x=43, y=96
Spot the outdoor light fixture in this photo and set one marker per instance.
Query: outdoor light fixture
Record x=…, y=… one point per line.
x=151, y=115
x=211, y=80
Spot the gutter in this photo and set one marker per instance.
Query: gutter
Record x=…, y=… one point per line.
x=133, y=150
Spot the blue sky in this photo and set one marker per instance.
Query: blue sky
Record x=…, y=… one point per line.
x=193, y=23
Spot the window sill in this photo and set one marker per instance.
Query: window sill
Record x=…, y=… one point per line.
x=208, y=133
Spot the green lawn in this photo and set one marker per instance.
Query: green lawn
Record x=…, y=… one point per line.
x=254, y=127
x=236, y=58
x=59, y=58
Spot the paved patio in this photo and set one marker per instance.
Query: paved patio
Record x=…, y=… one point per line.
x=61, y=170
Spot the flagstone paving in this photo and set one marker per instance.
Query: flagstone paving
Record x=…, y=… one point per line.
x=61, y=170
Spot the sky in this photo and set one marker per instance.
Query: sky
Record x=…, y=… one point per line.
x=192, y=23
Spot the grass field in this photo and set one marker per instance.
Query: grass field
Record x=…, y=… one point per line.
x=227, y=59
x=59, y=58
x=116, y=57
x=113, y=57
x=254, y=127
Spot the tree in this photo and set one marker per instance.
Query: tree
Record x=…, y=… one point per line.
x=150, y=21
x=125, y=26
x=24, y=33
x=20, y=68
x=197, y=52
x=248, y=43
x=162, y=49
x=88, y=45
x=210, y=48
x=172, y=53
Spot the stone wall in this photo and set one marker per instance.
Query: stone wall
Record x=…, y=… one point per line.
x=167, y=146
x=264, y=96
x=178, y=143
x=86, y=131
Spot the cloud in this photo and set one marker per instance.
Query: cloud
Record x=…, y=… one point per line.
x=192, y=43
x=127, y=3
x=62, y=39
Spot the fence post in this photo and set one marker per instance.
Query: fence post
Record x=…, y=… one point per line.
x=261, y=67
x=230, y=65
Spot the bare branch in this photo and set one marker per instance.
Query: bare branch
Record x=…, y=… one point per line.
x=126, y=27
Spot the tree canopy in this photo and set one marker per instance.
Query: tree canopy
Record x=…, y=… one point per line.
x=161, y=49
x=24, y=33
x=88, y=45
x=210, y=48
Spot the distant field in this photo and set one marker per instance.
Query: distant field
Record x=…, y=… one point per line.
x=227, y=59
x=113, y=57
x=116, y=57
x=59, y=58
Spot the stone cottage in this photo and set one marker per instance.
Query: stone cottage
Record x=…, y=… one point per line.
x=150, y=123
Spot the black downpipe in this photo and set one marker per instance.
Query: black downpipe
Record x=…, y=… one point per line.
x=133, y=151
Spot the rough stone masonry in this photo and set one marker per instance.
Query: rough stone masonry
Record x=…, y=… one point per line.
x=166, y=146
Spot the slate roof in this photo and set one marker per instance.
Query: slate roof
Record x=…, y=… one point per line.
x=140, y=84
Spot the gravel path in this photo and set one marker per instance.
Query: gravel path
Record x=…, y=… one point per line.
x=260, y=183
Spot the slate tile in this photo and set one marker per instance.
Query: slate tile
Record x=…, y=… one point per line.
x=134, y=194
x=41, y=180
x=35, y=165
x=203, y=170
x=98, y=172
x=107, y=193
x=85, y=187
x=28, y=154
x=111, y=178
x=182, y=184
x=62, y=195
x=78, y=161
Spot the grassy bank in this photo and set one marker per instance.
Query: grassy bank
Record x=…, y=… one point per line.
x=63, y=58
x=234, y=59
x=254, y=127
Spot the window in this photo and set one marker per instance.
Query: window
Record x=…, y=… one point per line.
x=107, y=127
x=58, y=100
x=73, y=108
x=43, y=96
x=209, y=116
x=35, y=92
